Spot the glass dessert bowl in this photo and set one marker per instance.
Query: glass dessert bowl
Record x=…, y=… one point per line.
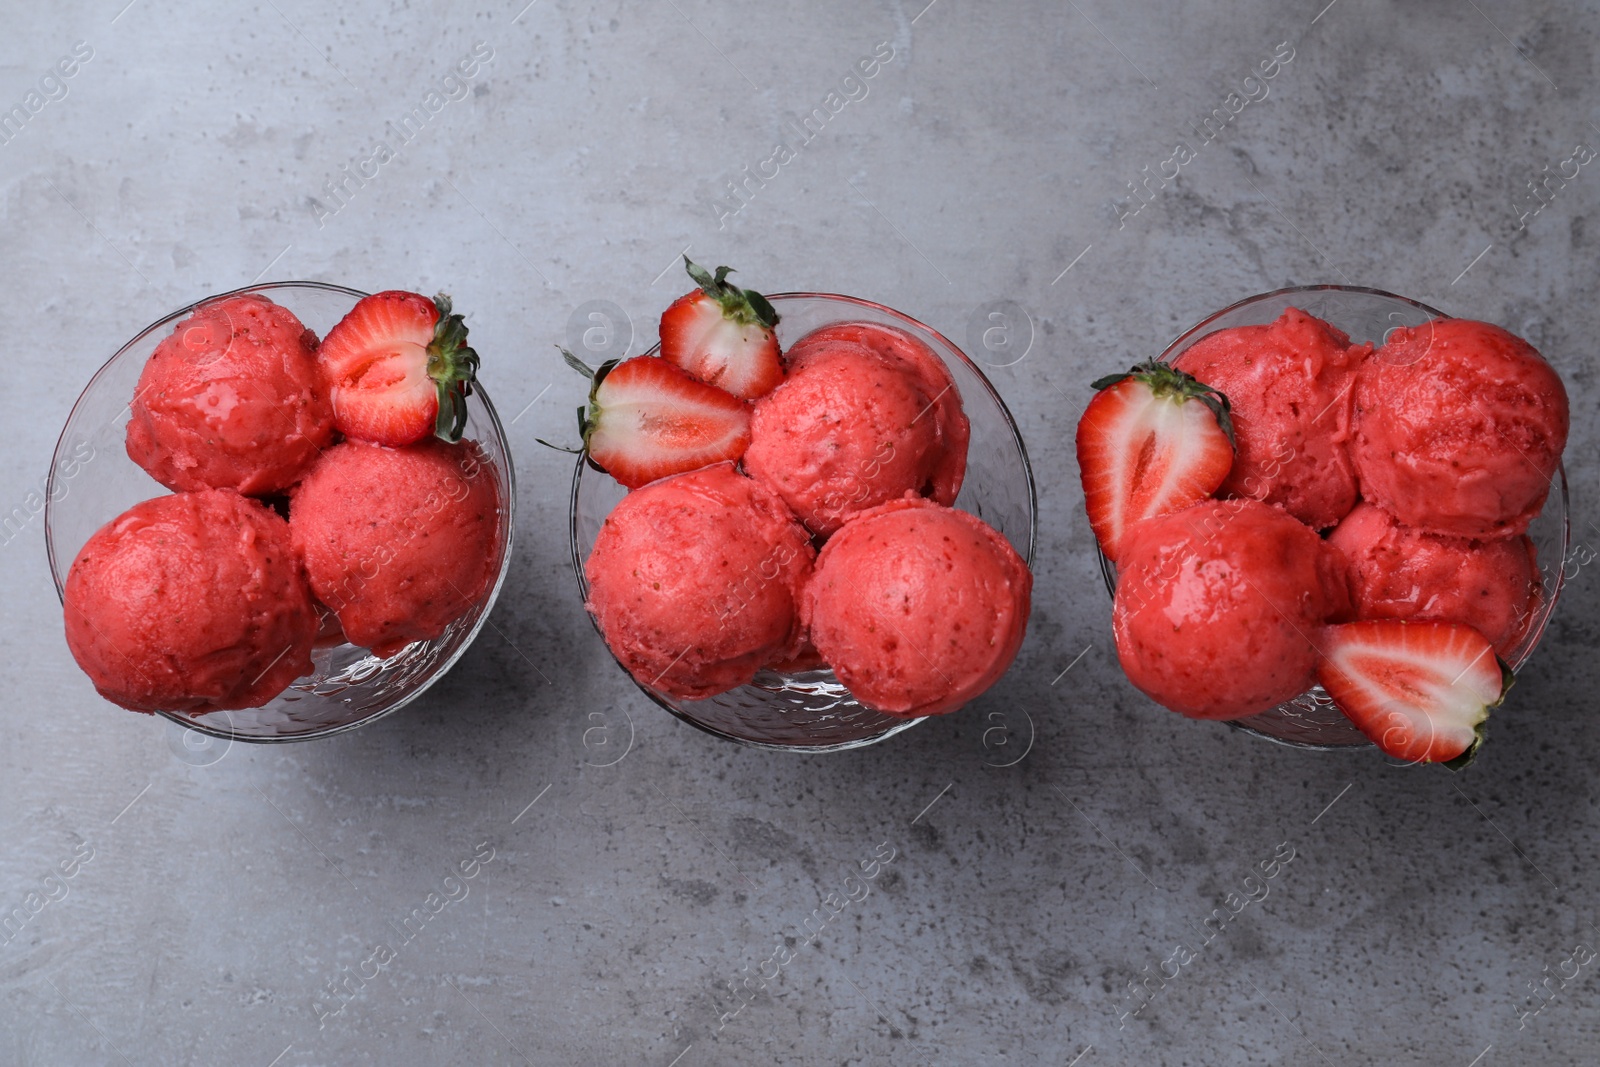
x=809, y=710
x=1311, y=720
x=92, y=481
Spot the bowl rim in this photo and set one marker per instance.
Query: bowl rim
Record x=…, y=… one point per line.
x=508, y=541
x=905, y=724
x=1559, y=479
x=1291, y=290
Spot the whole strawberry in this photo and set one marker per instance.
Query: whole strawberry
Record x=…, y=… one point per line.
x=399, y=368
x=722, y=335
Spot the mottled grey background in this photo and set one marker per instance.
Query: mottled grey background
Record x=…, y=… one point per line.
x=228, y=887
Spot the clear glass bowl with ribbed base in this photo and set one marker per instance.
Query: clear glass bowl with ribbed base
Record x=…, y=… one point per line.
x=810, y=711
x=92, y=481
x=1311, y=720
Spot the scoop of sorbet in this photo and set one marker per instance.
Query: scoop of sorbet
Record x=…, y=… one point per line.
x=1291, y=387
x=232, y=399
x=399, y=542
x=917, y=607
x=192, y=602
x=1459, y=429
x=694, y=579
x=1400, y=573
x=866, y=414
x=1217, y=607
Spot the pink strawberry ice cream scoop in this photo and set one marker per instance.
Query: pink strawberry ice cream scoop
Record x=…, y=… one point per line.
x=399, y=542
x=1217, y=605
x=1459, y=429
x=917, y=607
x=867, y=414
x=694, y=581
x=192, y=602
x=919, y=361
x=1400, y=573
x=232, y=399
x=1291, y=387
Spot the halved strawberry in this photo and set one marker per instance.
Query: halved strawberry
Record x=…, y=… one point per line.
x=1420, y=690
x=398, y=368
x=722, y=334
x=647, y=419
x=1153, y=441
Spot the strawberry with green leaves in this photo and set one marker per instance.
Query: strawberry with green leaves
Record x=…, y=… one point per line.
x=722, y=335
x=1153, y=441
x=647, y=418
x=398, y=368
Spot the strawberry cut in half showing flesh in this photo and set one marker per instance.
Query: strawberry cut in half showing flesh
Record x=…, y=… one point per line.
x=398, y=369
x=1154, y=440
x=1420, y=690
x=647, y=419
x=722, y=335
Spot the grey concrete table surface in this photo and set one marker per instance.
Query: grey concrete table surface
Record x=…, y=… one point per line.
x=687, y=903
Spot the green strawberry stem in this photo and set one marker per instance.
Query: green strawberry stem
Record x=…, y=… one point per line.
x=588, y=414
x=1163, y=379
x=744, y=306
x=453, y=366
